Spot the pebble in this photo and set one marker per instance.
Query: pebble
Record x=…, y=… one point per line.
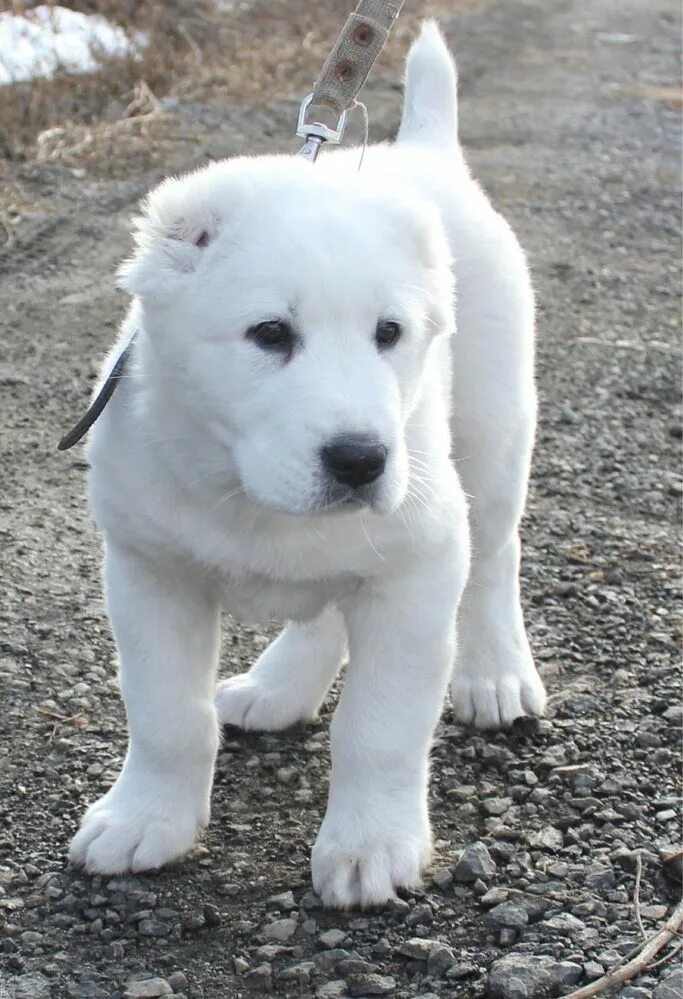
x=332, y=939
x=153, y=928
x=260, y=979
x=280, y=930
x=148, y=988
x=475, y=862
x=370, y=985
x=442, y=878
x=520, y=976
x=671, y=986
x=512, y=915
x=332, y=990
x=593, y=970
x=284, y=901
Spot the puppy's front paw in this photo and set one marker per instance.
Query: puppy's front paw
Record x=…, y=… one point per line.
x=490, y=700
x=360, y=859
x=248, y=703
x=130, y=830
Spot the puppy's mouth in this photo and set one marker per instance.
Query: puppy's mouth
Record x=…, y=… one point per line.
x=343, y=499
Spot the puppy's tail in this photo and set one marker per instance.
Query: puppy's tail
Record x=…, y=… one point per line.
x=430, y=103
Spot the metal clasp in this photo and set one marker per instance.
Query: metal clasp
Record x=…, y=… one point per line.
x=315, y=132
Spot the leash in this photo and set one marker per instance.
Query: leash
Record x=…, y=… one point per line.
x=345, y=71
x=343, y=74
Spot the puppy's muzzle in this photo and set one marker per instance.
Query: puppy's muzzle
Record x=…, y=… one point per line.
x=354, y=460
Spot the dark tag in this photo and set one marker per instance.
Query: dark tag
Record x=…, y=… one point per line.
x=99, y=402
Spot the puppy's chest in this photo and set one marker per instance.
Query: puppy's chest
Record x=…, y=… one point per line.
x=258, y=599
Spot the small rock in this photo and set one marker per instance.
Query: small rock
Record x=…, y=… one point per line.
x=421, y=915
x=178, y=981
x=331, y=939
x=670, y=987
x=566, y=973
x=442, y=878
x=440, y=959
x=508, y=914
x=593, y=970
x=30, y=986
x=520, y=976
x=494, y=897
x=328, y=960
x=280, y=930
x=153, y=928
x=417, y=948
x=260, y=979
x=284, y=901
x=655, y=912
x=548, y=838
x=240, y=965
x=300, y=972
x=332, y=990
x=212, y=915
x=495, y=806
x=475, y=862
x=148, y=988
x=633, y=992
x=370, y=985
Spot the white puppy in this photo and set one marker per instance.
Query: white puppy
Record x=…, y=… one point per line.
x=281, y=446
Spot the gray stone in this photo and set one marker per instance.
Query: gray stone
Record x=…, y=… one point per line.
x=442, y=878
x=260, y=979
x=332, y=990
x=475, y=862
x=280, y=930
x=548, y=838
x=300, y=972
x=30, y=986
x=370, y=985
x=440, y=959
x=148, y=988
x=417, y=948
x=512, y=915
x=520, y=976
x=633, y=992
x=566, y=973
x=153, y=928
x=593, y=970
x=284, y=901
x=331, y=939
x=670, y=987
x=329, y=959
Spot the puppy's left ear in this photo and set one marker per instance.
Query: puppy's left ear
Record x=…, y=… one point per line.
x=175, y=228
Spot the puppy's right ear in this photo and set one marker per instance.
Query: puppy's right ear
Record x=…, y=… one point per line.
x=176, y=226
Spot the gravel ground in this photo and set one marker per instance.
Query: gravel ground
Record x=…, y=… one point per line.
x=568, y=112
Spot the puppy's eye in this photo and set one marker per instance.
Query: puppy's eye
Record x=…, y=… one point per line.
x=388, y=333
x=274, y=334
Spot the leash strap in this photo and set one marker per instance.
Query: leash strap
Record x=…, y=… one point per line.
x=353, y=56
x=345, y=71
x=79, y=431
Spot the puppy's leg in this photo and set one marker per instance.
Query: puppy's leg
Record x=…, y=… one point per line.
x=495, y=680
x=167, y=633
x=288, y=683
x=376, y=836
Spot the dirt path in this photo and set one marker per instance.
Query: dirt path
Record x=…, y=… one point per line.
x=567, y=113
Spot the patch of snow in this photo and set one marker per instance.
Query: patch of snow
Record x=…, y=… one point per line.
x=47, y=38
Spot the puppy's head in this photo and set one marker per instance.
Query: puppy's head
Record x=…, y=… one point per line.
x=295, y=308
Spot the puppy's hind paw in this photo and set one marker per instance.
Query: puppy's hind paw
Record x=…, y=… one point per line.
x=248, y=704
x=495, y=701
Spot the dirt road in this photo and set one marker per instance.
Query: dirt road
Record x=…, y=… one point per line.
x=569, y=114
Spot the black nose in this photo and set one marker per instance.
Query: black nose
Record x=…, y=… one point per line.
x=355, y=460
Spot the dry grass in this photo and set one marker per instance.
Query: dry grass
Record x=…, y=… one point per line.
x=257, y=52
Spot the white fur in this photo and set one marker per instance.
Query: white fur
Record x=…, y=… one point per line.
x=207, y=484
